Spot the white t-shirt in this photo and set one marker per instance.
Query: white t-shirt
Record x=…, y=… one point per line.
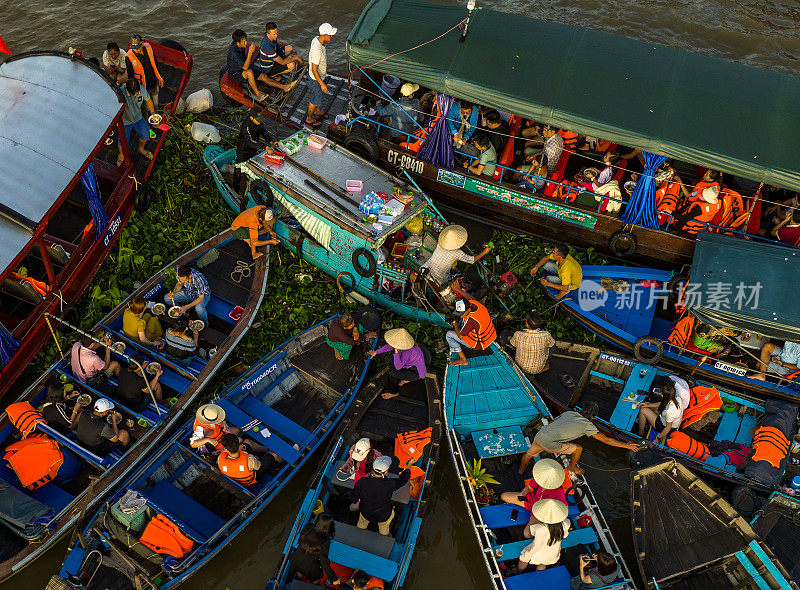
x=318, y=55
x=672, y=414
x=539, y=552
x=119, y=62
x=682, y=393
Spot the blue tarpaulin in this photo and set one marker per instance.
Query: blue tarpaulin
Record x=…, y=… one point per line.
x=641, y=208
x=99, y=216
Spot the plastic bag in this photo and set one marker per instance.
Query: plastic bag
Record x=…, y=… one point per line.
x=200, y=101
x=204, y=133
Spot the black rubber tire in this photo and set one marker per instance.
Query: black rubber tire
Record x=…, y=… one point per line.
x=639, y=344
x=746, y=501
x=674, y=287
x=228, y=100
x=372, y=264
x=172, y=44
x=262, y=193
x=622, y=243
x=346, y=289
x=142, y=200
x=362, y=144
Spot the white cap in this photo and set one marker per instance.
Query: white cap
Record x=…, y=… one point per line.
x=710, y=194
x=103, y=405
x=381, y=464
x=327, y=29
x=461, y=307
x=408, y=89
x=360, y=449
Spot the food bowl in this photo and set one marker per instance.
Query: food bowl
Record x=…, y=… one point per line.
x=154, y=119
x=174, y=311
x=153, y=367
x=197, y=325
x=629, y=186
x=159, y=308
x=110, y=417
x=84, y=400
x=119, y=347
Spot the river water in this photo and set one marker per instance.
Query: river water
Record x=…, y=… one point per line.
x=762, y=33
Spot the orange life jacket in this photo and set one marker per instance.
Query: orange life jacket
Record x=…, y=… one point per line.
x=707, y=213
x=138, y=70
x=216, y=431
x=570, y=139
x=683, y=330
x=667, y=195
x=39, y=286
x=416, y=481
x=603, y=145
x=731, y=209
x=422, y=134
x=697, y=193
x=237, y=469
x=683, y=443
x=35, y=460
x=485, y=334
x=770, y=444
x=702, y=400
x=163, y=536
x=24, y=417
x=568, y=191
x=410, y=445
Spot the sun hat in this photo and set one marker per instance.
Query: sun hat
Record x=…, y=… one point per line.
x=361, y=448
x=103, y=405
x=408, y=89
x=550, y=511
x=381, y=464
x=327, y=29
x=453, y=237
x=399, y=338
x=711, y=194
x=548, y=474
x=210, y=414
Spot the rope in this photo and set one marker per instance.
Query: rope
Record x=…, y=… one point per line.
x=418, y=46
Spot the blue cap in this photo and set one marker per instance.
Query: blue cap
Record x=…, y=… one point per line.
x=796, y=482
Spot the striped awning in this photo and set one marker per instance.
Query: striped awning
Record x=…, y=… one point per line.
x=315, y=226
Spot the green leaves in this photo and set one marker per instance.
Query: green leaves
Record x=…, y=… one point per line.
x=478, y=476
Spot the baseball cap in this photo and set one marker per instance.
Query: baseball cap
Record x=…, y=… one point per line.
x=327, y=29
x=381, y=464
x=408, y=89
x=103, y=405
x=360, y=449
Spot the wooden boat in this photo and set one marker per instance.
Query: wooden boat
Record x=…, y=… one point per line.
x=637, y=310
x=417, y=408
x=633, y=105
x=776, y=523
x=321, y=221
x=489, y=407
x=686, y=536
x=52, y=243
x=580, y=374
x=50, y=511
x=294, y=397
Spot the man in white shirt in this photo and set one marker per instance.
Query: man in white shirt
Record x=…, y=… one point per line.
x=317, y=70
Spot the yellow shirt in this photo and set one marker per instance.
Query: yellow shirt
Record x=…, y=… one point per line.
x=569, y=272
x=132, y=325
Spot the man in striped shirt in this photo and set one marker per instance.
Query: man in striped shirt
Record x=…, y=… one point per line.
x=191, y=290
x=274, y=58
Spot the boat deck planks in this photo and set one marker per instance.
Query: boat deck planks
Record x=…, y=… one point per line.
x=779, y=527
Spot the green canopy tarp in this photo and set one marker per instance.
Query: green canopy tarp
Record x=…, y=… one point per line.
x=745, y=285
x=703, y=110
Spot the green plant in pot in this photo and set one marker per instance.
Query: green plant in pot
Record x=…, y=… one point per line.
x=479, y=479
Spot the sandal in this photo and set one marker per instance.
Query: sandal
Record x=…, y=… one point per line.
x=314, y=126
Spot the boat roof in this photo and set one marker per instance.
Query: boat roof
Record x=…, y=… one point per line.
x=53, y=112
x=769, y=278
x=709, y=111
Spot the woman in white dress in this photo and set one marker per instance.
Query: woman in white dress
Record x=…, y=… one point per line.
x=547, y=535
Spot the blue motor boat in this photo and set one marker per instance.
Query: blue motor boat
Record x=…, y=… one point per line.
x=490, y=411
x=289, y=402
x=321, y=222
x=711, y=321
x=34, y=519
x=414, y=415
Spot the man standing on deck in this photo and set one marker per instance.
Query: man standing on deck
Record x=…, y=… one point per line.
x=140, y=61
x=317, y=70
x=253, y=137
x=133, y=119
x=372, y=495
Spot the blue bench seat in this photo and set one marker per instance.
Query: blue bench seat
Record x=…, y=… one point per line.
x=274, y=420
x=374, y=565
x=188, y=513
x=52, y=495
x=245, y=422
x=499, y=515
x=553, y=578
x=220, y=308
x=583, y=536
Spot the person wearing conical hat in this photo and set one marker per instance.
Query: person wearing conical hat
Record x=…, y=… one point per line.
x=552, y=527
x=548, y=482
x=448, y=251
x=404, y=358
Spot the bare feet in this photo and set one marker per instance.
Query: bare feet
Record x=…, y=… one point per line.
x=388, y=395
x=403, y=382
x=575, y=469
x=147, y=154
x=458, y=362
x=759, y=376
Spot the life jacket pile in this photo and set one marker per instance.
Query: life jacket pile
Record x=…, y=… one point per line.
x=682, y=332
x=568, y=191
x=163, y=536
x=35, y=460
x=410, y=445
x=771, y=442
x=702, y=401
x=683, y=443
x=24, y=417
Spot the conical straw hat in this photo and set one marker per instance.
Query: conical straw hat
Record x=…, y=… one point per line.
x=548, y=473
x=453, y=237
x=550, y=511
x=399, y=338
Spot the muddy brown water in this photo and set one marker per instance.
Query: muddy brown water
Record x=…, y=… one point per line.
x=762, y=33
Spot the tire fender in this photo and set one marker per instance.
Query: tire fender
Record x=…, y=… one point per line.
x=362, y=144
x=674, y=286
x=346, y=289
x=262, y=193
x=622, y=243
x=371, y=266
x=645, y=340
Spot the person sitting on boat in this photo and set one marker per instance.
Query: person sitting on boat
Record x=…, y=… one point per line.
x=317, y=70
x=114, y=64
x=781, y=360
x=310, y=560
x=532, y=345
x=132, y=391
x=597, y=570
x=557, y=436
x=496, y=129
x=477, y=330
x=88, y=367
x=403, y=112
x=788, y=230
x=95, y=432
x=58, y=405
x=191, y=291
x=606, y=174
x=275, y=59
x=179, y=345
x=664, y=416
x=133, y=119
x=533, y=176
x=552, y=147
x=547, y=482
x=140, y=63
x=486, y=163
x=141, y=326
x=249, y=224
x=240, y=56
x=209, y=427
x=711, y=178
x=253, y=138
x=240, y=464
x=552, y=527
x=695, y=215
x=462, y=120
x=565, y=274
x=683, y=393
x=361, y=580
x=343, y=335
x=372, y=496
x=447, y=252
x=404, y=359
x=360, y=458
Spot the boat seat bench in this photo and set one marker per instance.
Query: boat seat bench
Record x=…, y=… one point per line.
x=184, y=510
x=245, y=422
x=274, y=420
x=375, y=543
x=553, y=578
x=374, y=565
x=584, y=536
x=498, y=516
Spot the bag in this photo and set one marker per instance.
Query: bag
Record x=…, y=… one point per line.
x=98, y=382
x=200, y=101
x=204, y=133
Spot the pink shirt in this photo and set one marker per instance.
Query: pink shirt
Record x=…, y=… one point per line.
x=91, y=361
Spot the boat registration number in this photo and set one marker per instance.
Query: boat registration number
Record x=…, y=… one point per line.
x=740, y=371
x=615, y=359
x=112, y=229
x=405, y=161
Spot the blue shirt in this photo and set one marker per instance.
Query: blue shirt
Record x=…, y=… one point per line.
x=197, y=285
x=267, y=54
x=133, y=105
x=236, y=58
x=791, y=353
x=454, y=121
